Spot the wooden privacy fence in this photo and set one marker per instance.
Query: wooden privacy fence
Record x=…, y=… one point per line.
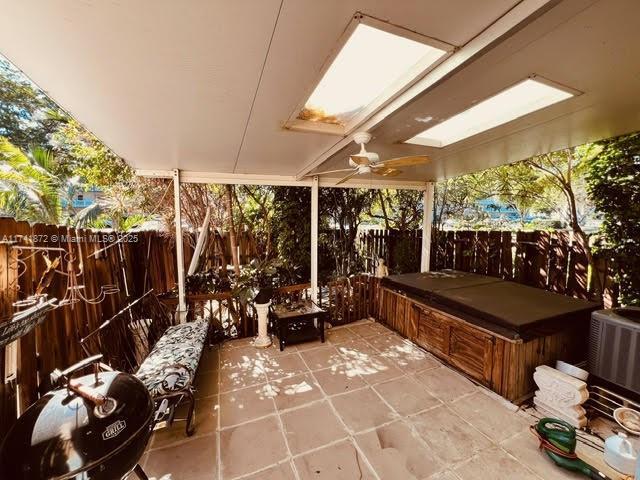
x=555, y=261
x=390, y=245
x=23, y=261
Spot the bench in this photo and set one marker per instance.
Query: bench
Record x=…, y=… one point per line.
x=147, y=340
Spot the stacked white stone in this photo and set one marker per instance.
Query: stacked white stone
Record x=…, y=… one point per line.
x=561, y=395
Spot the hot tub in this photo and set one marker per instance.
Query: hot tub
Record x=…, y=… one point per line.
x=493, y=330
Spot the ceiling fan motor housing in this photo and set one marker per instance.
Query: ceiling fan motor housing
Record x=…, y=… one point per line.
x=361, y=137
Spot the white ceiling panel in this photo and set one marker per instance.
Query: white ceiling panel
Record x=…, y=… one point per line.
x=206, y=86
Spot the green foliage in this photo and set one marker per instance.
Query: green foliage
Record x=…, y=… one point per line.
x=341, y=212
x=397, y=209
x=292, y=231
x=81, y=154
x=27, y=185
x=47, y=158
x=21, y=109
x=613, y=180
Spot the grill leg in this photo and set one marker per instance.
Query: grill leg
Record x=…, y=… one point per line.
x=140, y=473
x=192, y=403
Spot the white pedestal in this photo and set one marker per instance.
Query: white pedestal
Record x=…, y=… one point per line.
x=263, y=340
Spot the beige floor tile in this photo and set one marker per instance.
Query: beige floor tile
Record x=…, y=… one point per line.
x=311, y=427
x=241, y=342
x=340, y=335
x=282, y=471
x=205, y=422
x=246, y=404
x=389, y=342
x=396, y=453
x=247, y=357
x=194, y=459
x=489, y=416
x=524, y=447
x=406, y=395
x=375, y=369
x=341, y=461
x=365, y=330
x=452, y=439
x=301, y=347
x=362, y=410
x=445, y=384
x=410, y=358
x=446, y=475
x=285, y=366
x=207, y=383
x=295, y=391
x=381, y=328
x=495, y=464
x=239, y=377
x=340, y=379
x=358, y=349
x=274, y=349
x=251, y=447
x=324, y=357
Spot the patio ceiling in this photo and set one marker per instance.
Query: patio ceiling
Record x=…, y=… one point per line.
x=206, y=86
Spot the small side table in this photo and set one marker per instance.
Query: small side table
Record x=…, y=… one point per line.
x=301, y=322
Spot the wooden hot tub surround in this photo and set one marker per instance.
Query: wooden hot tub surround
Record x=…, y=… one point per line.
x=496, y=356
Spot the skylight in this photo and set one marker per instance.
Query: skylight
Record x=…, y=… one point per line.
x=370, y=62
x=514, y=102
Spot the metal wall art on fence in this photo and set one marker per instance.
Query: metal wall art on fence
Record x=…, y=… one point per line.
x=62, y=262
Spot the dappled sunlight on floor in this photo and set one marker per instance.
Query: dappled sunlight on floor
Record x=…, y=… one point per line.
x=365, y=404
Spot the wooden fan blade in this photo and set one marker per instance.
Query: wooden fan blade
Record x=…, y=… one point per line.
x=331, y=171
x=386, y=171
x=342, y=180
x=360, y=160
x=404, y=161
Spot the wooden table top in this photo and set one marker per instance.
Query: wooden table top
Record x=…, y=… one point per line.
x=297, y=309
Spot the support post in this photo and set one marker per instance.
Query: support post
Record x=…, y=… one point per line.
x=182, y=306
x=314, y=238
x=427, y=225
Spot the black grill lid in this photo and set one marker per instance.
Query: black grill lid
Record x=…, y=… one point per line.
x=63, y=433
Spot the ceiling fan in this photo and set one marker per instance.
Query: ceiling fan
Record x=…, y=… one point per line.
x=369, y=162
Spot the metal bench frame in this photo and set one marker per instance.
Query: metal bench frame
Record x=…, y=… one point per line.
x=125, y=348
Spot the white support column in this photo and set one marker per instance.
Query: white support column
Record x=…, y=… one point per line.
x=314, y=238
x=182, y=306
x=427, y=224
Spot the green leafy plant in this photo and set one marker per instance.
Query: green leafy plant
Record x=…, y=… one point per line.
x=613, y=181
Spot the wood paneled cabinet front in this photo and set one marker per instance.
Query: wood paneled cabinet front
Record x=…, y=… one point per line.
x=467, y=348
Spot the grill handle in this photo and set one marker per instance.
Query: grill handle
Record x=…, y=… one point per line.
x=83, y=391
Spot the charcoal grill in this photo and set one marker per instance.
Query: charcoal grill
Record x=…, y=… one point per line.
x=95, y=427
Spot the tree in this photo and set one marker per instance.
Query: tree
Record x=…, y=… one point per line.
x=559, y=170
x=22, y=107
x=452, y=198
x=399, y=209
x=613, y=180
x=292, y=230
x=343, y=210
x=80, y=153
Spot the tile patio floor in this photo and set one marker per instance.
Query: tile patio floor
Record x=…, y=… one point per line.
x=367, y=404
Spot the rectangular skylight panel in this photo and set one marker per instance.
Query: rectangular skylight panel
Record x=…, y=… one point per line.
x=521, y=99
x=370, y=62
